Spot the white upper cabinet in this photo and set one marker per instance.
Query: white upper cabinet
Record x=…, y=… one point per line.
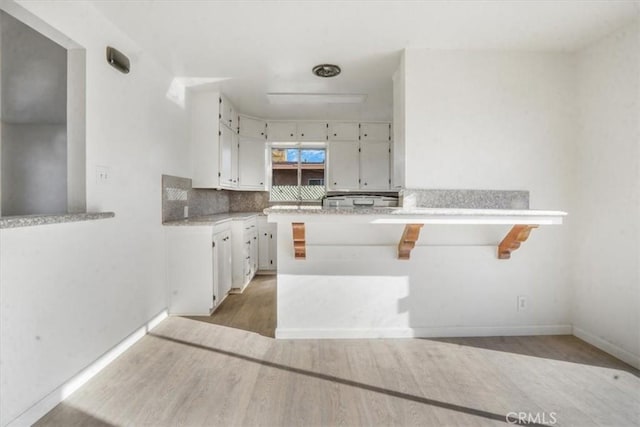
x=312, y=131
x=252, y=128
x=251, y=167
x=282, y=131
x=234, y=160
x=342, y=165
x=227, y=113
x=343, y=131
x=358, y=155
x=375, y=132
x=374, y=165
x=226, y=157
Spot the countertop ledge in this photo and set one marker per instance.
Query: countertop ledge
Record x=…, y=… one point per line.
x=34, y=220
x=415, y=215
x=318, y=210
x=213, y=219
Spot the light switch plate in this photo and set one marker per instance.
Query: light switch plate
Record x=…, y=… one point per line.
x=103, y=175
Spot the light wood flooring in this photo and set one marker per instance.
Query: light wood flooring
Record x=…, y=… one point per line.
x=253, y=310
x=187, y=372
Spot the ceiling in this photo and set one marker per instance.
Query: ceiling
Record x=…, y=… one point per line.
x=258, y=47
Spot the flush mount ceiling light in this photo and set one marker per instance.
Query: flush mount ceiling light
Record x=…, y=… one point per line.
x=316, y=98
x=326, y=70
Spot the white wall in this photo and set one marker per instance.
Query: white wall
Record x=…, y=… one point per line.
x=69, y=292
x=490, y=120
x=606, y=233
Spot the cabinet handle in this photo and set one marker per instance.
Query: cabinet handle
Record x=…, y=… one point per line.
x=261, y=133
x=291, y=134
x=335, y=134
x=335, y=183
x=365, y=134
x=365, y=183
x=261, y=183
x=302, y=134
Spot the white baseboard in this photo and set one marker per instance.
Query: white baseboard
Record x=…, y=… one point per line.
x=291, y=333
x=47, y=403
x=438, y=332
x=606, y=346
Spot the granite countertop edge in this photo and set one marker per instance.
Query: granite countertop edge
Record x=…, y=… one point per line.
x=210, y=220
x=410, y=211
x=20, y=221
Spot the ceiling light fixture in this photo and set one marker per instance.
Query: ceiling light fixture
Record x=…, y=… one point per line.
x=326, y=70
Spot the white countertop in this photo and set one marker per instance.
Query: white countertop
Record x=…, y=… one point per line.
x=400, y=215
x=213, y=219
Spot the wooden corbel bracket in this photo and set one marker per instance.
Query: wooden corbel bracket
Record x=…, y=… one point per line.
x=512, y=241
x=299, y=243
x=408, y=240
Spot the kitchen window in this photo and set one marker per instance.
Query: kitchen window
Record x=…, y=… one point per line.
x=297, y=173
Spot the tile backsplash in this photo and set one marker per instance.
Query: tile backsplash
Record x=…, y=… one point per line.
x=177, y=193
x=248, y=201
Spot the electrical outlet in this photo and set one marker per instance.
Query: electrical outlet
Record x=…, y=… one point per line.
x=103, y=175
x=522, y=303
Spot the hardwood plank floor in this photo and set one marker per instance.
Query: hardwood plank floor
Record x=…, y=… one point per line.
x=190, y=372
x=253, y=310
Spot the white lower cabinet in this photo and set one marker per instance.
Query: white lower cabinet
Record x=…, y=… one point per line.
x=267, y=245
x=245, y=241
x=222, y=256
x=198, y=268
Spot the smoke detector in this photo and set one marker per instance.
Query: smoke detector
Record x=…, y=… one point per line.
x=326, y=70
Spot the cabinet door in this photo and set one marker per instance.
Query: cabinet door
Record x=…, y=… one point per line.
x=227, y=113
x=374, y=166
x=226, y=144
x=217, y=289
x=282, y=131
x=273, y=247
x=263, y=249
x=343, y=165
x=252, y=128
x=235, y=147
x=264, y=229
x=224, y=264
x=251, y=164
x=312, y=131
x=254, y=253
x=343, y=131
x=375, y=132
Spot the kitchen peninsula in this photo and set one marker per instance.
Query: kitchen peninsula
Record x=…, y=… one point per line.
x=374, y=272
